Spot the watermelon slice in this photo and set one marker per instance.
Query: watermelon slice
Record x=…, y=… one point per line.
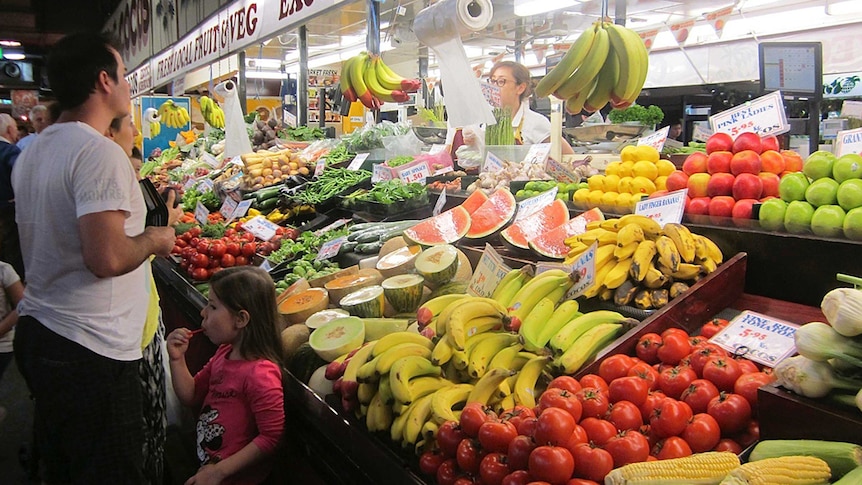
x=446, y=228
x=552, y=244
x=493, y=214
x=534, y=225
x=474, y=201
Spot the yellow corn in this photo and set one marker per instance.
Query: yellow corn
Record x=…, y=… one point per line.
x=783, y=470
x=701, y=469
x=841, y=457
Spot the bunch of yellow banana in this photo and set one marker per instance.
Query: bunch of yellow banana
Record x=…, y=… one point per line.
x=366, y=78
x=173, y=116
x=608, y=63
x=212, y=112
x=639, y=262
x=155, y=129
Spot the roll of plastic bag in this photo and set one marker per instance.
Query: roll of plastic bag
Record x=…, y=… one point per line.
x=440, y=27
x=235, y=134
x=151, y=116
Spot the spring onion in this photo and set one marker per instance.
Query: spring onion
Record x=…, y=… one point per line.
x=843, y=310
x=811, y=378
x=818, y=341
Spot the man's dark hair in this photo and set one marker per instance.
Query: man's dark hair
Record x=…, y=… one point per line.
x=136, y=153
x=74, y=65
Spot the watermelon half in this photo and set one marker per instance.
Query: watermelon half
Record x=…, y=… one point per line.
x=446, y=228
x=552, y=244
x=493, y=214
x=534, y=225
x=474, y=201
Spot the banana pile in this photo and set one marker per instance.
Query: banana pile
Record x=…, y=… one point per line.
x=173, y=116
x=366, y=78
x=213, y=114
x=608, y=63
x=638, y=262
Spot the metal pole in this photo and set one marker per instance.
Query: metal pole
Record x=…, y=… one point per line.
x=321, y=94
x=619, y=11
x=302, y=83
x=241, y=91
x=372, y=42
x=519, y=35
x=813, y=125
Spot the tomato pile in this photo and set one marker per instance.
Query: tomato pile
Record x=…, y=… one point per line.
x=680, y=395
x=202, y=256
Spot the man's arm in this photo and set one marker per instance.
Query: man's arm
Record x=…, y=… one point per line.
x=108, y=251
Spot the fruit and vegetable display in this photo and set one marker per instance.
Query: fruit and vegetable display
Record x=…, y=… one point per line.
x=263, y=167
x=329, y=184
x=499, y=179
x=263, y=134
x=370, y=137
x=387, y=198
x=367, y=79
x=536, y=187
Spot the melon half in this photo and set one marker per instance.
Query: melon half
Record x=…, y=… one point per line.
x=493, y=214
x=552, y=244
x=446, y=228
x=552, y=215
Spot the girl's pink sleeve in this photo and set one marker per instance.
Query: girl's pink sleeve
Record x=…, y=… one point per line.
x=202, y=378
x=266, y=396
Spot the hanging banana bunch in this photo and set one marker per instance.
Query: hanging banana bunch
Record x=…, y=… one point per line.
x=173, y=116
x=366, y=78
x=608, y=63
x=212, y=112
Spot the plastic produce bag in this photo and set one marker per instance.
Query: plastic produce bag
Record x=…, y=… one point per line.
x=406, y=144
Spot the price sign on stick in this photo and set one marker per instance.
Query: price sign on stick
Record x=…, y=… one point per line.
x=260, y=227
x=758, y=337
x=241, y=210
x=441, y=202
x=665, y=209
x=319, y=166
x=655, y=140
x=764, y=116
x=492, y=163
x=583, y=271
x=489, y=272
x=330, y=248
x=201, y=214
x=356, y=163
x=532, y=205
x=228, y=207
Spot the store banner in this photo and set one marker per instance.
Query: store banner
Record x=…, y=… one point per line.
x=648, y=38
x=130, y=26
x=845, y=85
x=718, y=19
x=680, y=30
x=140, y=80
x=163, y=30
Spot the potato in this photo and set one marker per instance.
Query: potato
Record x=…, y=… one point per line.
x=267, y=172
x=267, y=163
x=303, y=170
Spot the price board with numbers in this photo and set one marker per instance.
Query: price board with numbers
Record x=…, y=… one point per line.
x=489, y=272
x=758, y=337
x=764, y=116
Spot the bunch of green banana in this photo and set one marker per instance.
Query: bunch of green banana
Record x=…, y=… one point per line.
x=366, y=78
x=155, y=129
x=212, y=112
x=608, y=63
x=509, y=286
x=552, y=284
x=640, y=263
x=173, y=116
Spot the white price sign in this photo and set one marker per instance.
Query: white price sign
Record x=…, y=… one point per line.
x=228, y=207
x=319, y=166
x=330, y=248
x=441, y=202
x=491, y=92
x=532, y=205
x=848, y=141
x=538, y=154
x=241, y=210
x=201, y=214
x=190, y=183
x=764, y=116
x=436, y=148
x=583, y=271
x=206, y=185
x=266, y=265
x=416, y=173
x=334, y=225
x=210, y=160
x=356, y=163
x=655, y=140
x=489, y=272
x=380, y=173
x=289, y=119
x=699, y=133
x=260, y=227
x=665, y=209
x=560, y=172
x=492, y=163
x=758, y=337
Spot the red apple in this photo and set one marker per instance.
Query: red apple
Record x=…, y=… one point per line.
x=747, y=186
x=657, y=193
x=697, y=184
x=721, y=206
x=719, y=142
x=770, y=142
x=720, y=184
x=747, y=141
x=792, y=161
x=698, y=206
x=695, y=163
x=746, y=161
x=772, y=161
x=677, y=180
x=742, y=208
x=770, y=184
x=719, y=162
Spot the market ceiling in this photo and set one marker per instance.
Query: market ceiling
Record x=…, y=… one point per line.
x=38, y=24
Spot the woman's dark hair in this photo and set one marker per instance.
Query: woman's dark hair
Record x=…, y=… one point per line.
x=117, y=123
x=136, y=153
x=519, y=72
x=74, y=65
x=251, y=289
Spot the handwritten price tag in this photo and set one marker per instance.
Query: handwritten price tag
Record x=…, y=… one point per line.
x=319, y=167
x=758, y=337
x=201, y=214
x=415, y=173
x=560, y=172
x=260, y=227
x=655, y=140
x=492, y=163
x=210, y=160
x=583, y=271
x=441, y=202
x=848, y=141
x=380, y=173
x=764, y=116
x=357, y=161
x=206, y=185
x=489, y=272
x=538, y=154
x=491, y=92
x=241, y=210
x=532, y=205
x=334, y=225
x=699, y=133
x=665, y=209
x=330, y=248
x=189, y=183
x=228, y=207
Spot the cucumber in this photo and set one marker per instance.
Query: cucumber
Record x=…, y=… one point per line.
x=347, y=247
x=267, y=193
x=396, y=231
x=369, y=247
x=371, y=236
x=267, y=205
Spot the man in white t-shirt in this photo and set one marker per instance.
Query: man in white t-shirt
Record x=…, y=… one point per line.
x=80, y=214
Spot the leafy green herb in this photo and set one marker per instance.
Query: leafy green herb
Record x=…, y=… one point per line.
x=183, y=227
x=302, y=133
x=192, y=195
x=647, y=116
x=214, y=230
x=399, y=160
x=390, y=192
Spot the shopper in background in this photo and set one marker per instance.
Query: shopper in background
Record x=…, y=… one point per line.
x=85, y=246
x=10, y=247
x=675, y=131
x=40, y=119
x=13, y=291
x=239, y=391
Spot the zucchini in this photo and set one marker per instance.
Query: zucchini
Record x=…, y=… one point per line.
x=267, y=193
x=347, y=247
x=397, y=230
x=267, y=205
x=370, y=236
x=368, y=247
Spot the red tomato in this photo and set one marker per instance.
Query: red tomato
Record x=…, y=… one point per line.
x=218, y=249
x=227, y=260
x=701, y=433
x=229, y=232
x=749, y=435
x=654, y=398
x=554, y=427
x=579, y=435
x=581, y=481
x=200, y=260
x=493, y=469
x=233, y=248
x=701, y=356
x=247, y=237
x=200, y=274
x=195, y=231
x=727, y=444
x=674, y=331
x=494, y=436
x=630, y=388
x=723, y=372
x=646, y=372
x=674, y=346
x=473, y=416
x=519, y=452
x=430, y=461
x=469, y=455
x=696, y=340
x=527, y=426
x=712, y=327
x=248, y=249
x=596, y=382
x=675, y=380
x=647, y=348
x=748, y=384
x=617, y=365
x=517, y=477
x=241, y=260
x=628, y=447
x=183, y=243
x=188, y=252
x=746, y=366
x=553, y=464
x=203, y=246
x=184, y=265
x=193, y=242
x=594, y=403
x=214, y=263
x=698, y=394
x=731, y=411
x=625, y=415
x=592, y=463
x=176, y=249
x=568, y=383
x=447, y=472
x=563, y=399
x=671, y=447
x=670, y=418
x=598, y=430
x=518, y=414
x=449, y=436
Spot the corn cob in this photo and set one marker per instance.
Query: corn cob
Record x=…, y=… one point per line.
x=703, y=468
x=853, y=477
x=841, y=457
x=783, y=470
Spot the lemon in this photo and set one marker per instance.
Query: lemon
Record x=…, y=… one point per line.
x=580, y=195
x=610, y=183
x=629, y=154
x=609, y=199
x=596, y=182
x=594, y=198
x=624, y=200
x=642, y=185
x=661, y=182
x=625, y=185
x=626, y=169
x=645, y=168
x=665, y=167
x=648, y=153
x=613, y=168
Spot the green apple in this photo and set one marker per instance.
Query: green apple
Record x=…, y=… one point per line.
x=853, y=224
x=792, y=186
x=819, y=165
x=797, y=217
x=771, y=214
x=822, y=192
x=828, y=221
x=847, y=167
x=850, y=194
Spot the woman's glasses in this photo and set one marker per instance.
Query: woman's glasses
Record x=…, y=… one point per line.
x=500, y=81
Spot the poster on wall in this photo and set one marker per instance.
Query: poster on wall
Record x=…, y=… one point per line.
x=166, y=134
x=22, y=101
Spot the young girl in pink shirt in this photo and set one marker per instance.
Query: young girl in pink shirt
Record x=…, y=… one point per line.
x=239, y=391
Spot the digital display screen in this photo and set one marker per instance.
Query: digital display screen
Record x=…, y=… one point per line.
x=791, y=67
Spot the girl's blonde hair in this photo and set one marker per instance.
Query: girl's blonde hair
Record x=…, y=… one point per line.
x=251, y=289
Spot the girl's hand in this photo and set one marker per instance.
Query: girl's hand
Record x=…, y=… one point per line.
x=178, y=343
x=206, y=475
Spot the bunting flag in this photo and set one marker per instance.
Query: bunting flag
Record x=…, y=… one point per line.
x=719, y=18
x=680, y=30
x=648, y=38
